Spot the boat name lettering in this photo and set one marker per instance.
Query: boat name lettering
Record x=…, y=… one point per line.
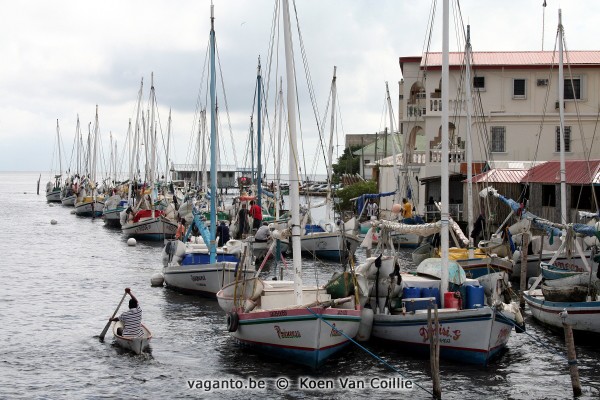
x=568, y=266
x=281, y=313
x=342, y=312
x=443, y=331
x=197, y=278
x=143, y=228
x=287, y=334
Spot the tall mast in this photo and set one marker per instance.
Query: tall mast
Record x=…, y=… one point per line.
x=168, y=145
x=259, y=136
x=394, y=144
x=152, y=136
x=561, y=113
x=278, y=158
x=293, y=162
x=59, y=152
x=95, y=150
x=213, y=142
x=330, y=149
x=445, y=152
x=468, y=139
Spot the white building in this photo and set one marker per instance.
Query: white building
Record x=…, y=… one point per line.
x=516, y=111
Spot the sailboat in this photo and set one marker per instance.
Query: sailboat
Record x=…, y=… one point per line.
x=89, y=201
x=145, y=220
x=285, y=319
x=202, y=268
x=53, y=188
x=472, y=331
x=574, y=299
x=328, y=239
x=68, y=194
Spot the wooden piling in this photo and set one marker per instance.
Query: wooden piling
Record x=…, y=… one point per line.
x=523, y=282
x=434, y=351
x=572, y=357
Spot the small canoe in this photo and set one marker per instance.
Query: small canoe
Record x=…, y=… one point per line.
x=135, y=344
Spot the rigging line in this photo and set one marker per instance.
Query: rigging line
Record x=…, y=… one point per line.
x=427, y=41
x=198, y=108
x=581, y=131
x=545, y=109
x=226, y=104
x=274, y=26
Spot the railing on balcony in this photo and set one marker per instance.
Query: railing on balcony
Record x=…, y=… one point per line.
x=418, y=157
x=415, y=110
x=436, y=105
x=456, y=155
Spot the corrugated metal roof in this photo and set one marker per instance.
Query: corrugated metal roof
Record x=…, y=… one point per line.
x=501, y=175
x=577, y=172
x=514, y=58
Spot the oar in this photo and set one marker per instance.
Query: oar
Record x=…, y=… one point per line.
x=109, y=321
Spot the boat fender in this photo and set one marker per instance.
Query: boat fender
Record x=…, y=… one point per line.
x=233, y=321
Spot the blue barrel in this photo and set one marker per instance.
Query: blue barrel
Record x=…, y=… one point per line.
x=432, y=292
x=411, y=293
x=475, y=297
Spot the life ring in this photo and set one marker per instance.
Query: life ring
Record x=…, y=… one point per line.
x=233, y=321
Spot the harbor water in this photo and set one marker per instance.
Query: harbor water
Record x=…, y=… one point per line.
x=61, y=282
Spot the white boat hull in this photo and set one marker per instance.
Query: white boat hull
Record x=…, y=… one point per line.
x=150, y=229
x=112, y=217
x=53, y=197
x=89, y=208
x=584, y=316
x=202, y=279
x=298, y=334
x=328, y=245
x=69, y=200
x=135, y=344
x=473, y=336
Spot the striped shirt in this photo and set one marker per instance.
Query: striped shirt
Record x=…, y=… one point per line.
x=132, y=322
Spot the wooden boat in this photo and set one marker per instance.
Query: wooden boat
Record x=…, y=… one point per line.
x=576, y=293
x=135, y=344
x=550, y=272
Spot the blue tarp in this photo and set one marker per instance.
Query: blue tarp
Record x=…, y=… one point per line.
x=543, y=224
x=360, y=202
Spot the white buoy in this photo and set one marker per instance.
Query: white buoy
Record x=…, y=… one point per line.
x=157, y=279
x=131, y=242
x=54, y=222
x=73, y=212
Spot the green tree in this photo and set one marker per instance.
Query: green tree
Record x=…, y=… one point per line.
x=347, y=163
x=352, y=191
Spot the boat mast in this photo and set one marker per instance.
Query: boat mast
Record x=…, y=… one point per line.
x=168, y=144
x=259, y=137
x=78, y=145
x=328, y=201
x=469, y=144
x=394, y=144
x=278, y=158
x=213, y=142
x=59, y=152
x=152, y=136
x=293, y=162
x=561, y=113
x=95, y=151
x=445, y=152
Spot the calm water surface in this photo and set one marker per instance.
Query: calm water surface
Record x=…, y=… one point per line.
x=61, y=282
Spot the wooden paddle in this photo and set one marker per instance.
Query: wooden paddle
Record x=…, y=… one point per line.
x=109, y=321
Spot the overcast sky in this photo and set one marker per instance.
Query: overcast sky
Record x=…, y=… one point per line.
x=60, y=58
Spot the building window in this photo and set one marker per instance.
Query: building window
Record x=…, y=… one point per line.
x=367, y=162
x=519, y=89
x=548, y=196
x=479, y=83
x=567, y=139
x=573, y=88
x=498, y=139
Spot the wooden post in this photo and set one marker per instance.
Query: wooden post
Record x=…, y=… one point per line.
x=523, y=284
x=572, y=357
